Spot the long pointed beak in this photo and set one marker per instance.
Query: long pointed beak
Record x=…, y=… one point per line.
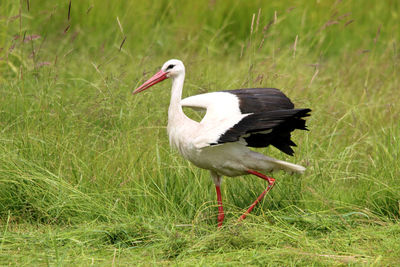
x=158, y=77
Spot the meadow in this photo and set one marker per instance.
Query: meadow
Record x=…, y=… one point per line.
x=87, y=177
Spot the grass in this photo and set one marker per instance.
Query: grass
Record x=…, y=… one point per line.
x=86, y=173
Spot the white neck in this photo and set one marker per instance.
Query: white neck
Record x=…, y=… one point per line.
x=179, y=125
x=175, y=112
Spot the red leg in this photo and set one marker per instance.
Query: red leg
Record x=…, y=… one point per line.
x=220, y=208
x=271, y=182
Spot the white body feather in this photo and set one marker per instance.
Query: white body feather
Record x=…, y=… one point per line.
x=194, y=139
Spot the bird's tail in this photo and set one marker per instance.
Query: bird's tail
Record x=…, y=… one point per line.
x=289, y=167
x=265, y=163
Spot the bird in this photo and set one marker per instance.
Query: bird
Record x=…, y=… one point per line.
x=234, y=122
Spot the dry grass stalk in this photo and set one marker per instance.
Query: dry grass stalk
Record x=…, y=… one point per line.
x=258, y=19
x=123, y=41
x=295, y=45
x=241, y=51
x=120, y=26
x=69, y=10
x=328, y=23
x=88, y=10
x=44, y=63
x=66, y=29
x=96, y=68
x=290, y=9
x=252, y=24
x=348, y=22
x=261, y=43
x=313, y=77
x=31, y=38
x=113, y=260
x=343, y=16
x=69, y=52
x=268, y=25
x=340, y=258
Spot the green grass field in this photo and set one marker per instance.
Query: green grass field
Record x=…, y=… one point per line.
x=86, y=173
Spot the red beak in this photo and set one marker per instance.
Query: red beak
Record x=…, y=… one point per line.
x=158, y=77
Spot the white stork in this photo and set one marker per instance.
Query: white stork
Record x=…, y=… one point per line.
x=234, y=121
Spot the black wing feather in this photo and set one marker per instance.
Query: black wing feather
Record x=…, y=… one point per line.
x=255, y=100
x=270, y=111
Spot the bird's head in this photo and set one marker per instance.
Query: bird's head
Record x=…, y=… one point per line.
x=171, y=69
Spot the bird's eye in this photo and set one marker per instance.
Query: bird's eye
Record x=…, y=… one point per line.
x=170, y=67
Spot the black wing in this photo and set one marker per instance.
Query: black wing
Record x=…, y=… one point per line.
x=272, y=120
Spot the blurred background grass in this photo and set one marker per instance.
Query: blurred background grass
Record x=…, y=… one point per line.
x=85, y=165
